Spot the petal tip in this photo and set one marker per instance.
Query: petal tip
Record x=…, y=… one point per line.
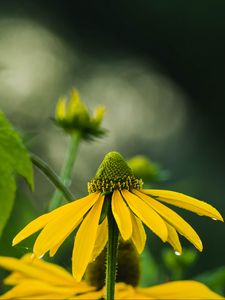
x=77, y=276
x=14, y=241
x=164, y=236
x=178, y=250
x=38, y=254
x=140, y=249
x=216, y=216
x=199, y=246
x=220, y=218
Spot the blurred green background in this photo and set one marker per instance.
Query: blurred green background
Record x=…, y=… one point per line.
x=157, y=66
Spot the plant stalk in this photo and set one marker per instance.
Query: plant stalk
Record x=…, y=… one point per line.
x=111, y=258
x=67, y=169
x=52, y=176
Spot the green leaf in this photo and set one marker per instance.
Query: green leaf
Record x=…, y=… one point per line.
x=14, y=159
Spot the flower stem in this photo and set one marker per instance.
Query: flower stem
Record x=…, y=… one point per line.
x=111, y=258
x=52, y=176
x=67, y=169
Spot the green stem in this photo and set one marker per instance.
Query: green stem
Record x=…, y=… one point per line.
x=67, y=169
x=51, y=175
x=111, y=258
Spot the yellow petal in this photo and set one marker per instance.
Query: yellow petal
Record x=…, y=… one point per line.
x=66, y=220
x=178, y=199
x=31, y=271
x=96, y=295
x=173, y=239
x=146, y=214
x=173, y=219
x=85, y=240
x=54, y=249
x=101, y=239
x=138, y=234
x=186, y=289
x=51, y=270
x=141, y=296
x=37, y=290
x=61, y=109
x=14, y=278
x=31, y=228
x=99, y=114
x=41, y=221
x=122, y=215
x=37, y=269
x=124, y=291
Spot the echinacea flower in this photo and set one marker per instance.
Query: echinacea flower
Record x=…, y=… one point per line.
x=36, y=279
x=115, y=187
x=73, y=116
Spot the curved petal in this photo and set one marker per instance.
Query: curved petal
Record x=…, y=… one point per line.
x=37, y=290
x=90, y=296
x=138, y=234
x=40, y=222
x=14, y=278
x=173, y=219
x=29, y=267
x=146, y=214
x=186, y=289
x=173, y=239
x=85, y=240
x=63, y=224
x=101, y=239
x=178, y=199
x=121, y=214
x=50, y=269
x=124, y=291
x=54, y=249
x=31, y=271
x=31, y=228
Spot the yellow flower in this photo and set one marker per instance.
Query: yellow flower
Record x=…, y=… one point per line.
x=114, y=187
x=73, y=115
x=35, y=279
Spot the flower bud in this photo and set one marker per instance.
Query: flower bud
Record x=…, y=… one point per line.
x=73, y=116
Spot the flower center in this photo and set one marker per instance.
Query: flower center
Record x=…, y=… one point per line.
x=113, y=173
